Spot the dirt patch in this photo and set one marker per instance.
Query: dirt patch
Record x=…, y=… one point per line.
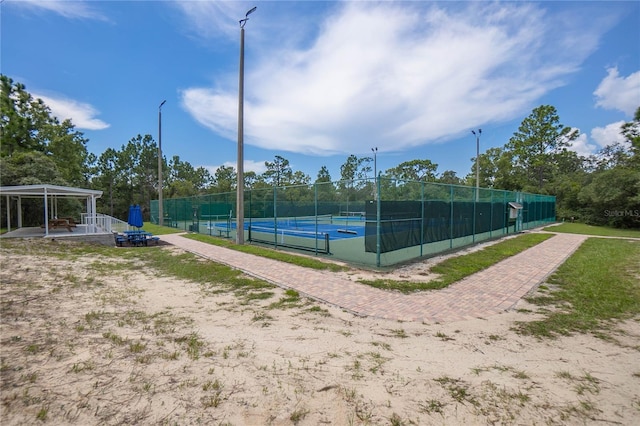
x=84, y=344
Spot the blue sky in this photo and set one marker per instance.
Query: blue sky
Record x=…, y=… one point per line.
x=324, y=80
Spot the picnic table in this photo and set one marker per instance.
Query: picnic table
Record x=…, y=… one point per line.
x=135, y=238
x=60, y=223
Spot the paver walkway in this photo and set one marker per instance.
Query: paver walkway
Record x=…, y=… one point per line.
x=485, y=293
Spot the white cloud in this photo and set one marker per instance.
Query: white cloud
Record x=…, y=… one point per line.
x=211, y=108
x=69, y=9
x=602, y=136
x=249, y=166
x=621, y=93
x=582, y=147
x=609, y=134
x=81, y=114
x=398, y=75
x=211, y=18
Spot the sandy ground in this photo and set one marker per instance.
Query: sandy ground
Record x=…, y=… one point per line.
x=85, y=344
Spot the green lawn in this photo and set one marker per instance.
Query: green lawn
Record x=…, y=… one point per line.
x=282, y=256
x=581, y=228
x=160, y=230
x=597, y=284
x=456, y=268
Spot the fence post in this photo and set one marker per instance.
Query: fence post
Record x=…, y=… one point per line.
x=378, y=221
x=491, y=214
x=422, y=219
x=475, y=213
x=315, y=205
x=451, y=218
x=275, y=217
x=505, y=222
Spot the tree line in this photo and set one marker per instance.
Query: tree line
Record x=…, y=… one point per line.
x=603, y=188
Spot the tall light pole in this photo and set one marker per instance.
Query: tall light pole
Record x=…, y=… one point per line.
x=375, y=162
x=477, y=135
x=240, y=165
x=160, y=212
x=375, y=172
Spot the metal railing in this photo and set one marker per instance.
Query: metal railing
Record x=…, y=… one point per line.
x=105, y=223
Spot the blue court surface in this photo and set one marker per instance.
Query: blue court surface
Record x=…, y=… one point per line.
x=344, y=229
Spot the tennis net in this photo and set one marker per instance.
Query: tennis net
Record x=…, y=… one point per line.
x=293, y=222
x=288, y=237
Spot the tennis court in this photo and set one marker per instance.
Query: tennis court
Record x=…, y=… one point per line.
x=312, y=233
x=376, y=222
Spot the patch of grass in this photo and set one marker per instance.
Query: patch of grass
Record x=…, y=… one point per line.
x=581, y=228
x=298, y=415
x=442, y=336
x=261, y=317
x=382, y=345
x=431, y=406
x=291, y=299
x=520, y=375
x=82, y=366
x=32, y=377
x=93, y=316
x=215, y=388
x=377, y=361
x=33, y=349
x=456, y=268
x=116, y=339
x=585, y=383
x=458, y=389
x=132, y=317
x=137, y=347
x=212, y=386
x=399, y=332
x=193, y=268
x=597, y=285
x=396, y=420
x=164, y=323
x=193, y=343
x=190, y=267
x=355, y=369
x=318, y=310
x=350, y=395
x=42, y=414
x=306, y=262
x=502, y=369
x=263, y=295
x=171, y=356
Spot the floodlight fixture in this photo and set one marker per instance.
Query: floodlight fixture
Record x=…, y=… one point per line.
x=375, y=162
x=477, y=135
x=246, y=16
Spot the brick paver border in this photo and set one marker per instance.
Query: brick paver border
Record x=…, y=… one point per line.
x=488, y=292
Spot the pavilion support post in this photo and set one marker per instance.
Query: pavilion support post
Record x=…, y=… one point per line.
x=46, y=213
x=8, y=214
x=19, y=212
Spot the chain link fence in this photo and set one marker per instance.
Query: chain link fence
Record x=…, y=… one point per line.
x=375, y=222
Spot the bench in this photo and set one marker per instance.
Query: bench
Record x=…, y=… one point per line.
x=154, y=239
x=120, y=239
